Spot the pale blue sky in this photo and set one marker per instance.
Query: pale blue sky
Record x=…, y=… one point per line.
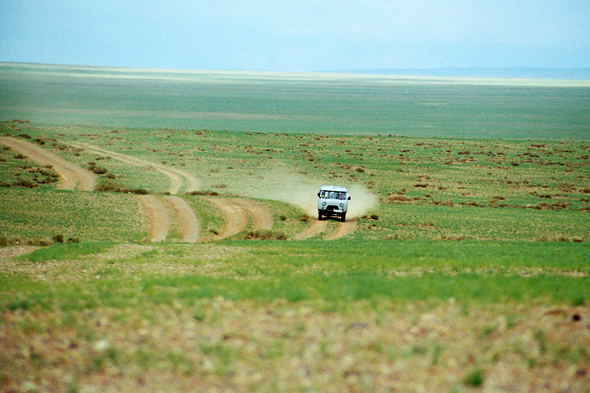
x=294, y=35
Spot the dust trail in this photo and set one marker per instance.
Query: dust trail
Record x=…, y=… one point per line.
x=282, y=184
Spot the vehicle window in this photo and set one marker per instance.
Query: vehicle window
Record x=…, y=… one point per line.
x=333, y=195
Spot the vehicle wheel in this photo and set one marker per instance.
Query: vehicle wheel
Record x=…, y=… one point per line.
x=343, y=217
x=320, y=218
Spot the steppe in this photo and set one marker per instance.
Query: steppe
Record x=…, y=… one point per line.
x=159, y=232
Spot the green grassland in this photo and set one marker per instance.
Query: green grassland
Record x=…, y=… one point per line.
x=468, y=269
x=296, y=103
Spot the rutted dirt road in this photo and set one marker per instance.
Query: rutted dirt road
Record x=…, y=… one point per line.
x=160, y=222
x=344, y=229
x=237, y=212
x=261, y=216
x=188, y=224
x=71, y=176
x=314, y=229
x=236, y=218
x=177, y=177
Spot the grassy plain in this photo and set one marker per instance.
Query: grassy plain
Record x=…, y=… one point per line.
x=296, y=103
x=468, y=269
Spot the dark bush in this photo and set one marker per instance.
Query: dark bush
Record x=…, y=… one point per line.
x=204, y=193
x=110, y=186
x=24, y=183
x=264, y=234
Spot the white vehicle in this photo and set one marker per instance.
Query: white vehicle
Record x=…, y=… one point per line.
x=333, y=201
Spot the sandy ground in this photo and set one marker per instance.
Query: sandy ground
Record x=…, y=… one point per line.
x=9, y=252
x=71, y=176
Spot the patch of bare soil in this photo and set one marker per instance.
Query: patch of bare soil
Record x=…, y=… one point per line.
x=236, y=218
x=159, y=219
x=176, y=176
x=262, y=218
x=314, y=229
x=344, y=229
x=9, y=252
x=188, y=225
x=71, y=176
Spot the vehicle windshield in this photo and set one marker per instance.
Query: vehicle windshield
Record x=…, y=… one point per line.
x=333, y=195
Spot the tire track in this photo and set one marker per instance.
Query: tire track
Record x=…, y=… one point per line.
x=177, y=177
x=314, y=229
x=159, y=218
x=262, y=218
x=71, y=176
x=236, y=218
x=343, y=229
x=188, y=225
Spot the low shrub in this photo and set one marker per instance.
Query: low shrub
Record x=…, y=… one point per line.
x=110, y=186
x=204, y=193
x=474, y=378
x=264, y=234
x=24, y=183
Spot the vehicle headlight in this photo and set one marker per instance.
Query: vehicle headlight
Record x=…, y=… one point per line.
x=324, y=204
x=342, y=205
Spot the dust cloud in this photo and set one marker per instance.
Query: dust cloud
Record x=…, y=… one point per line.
x=300, y=190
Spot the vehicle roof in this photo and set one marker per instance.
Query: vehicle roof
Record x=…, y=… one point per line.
x=333, y=188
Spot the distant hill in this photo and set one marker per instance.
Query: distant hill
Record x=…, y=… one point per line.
x=482, y=72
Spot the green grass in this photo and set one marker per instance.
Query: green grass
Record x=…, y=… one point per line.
x=45, y=213
x=470, y=257
x=409, y=271
x=293, y=104
x=60, y=252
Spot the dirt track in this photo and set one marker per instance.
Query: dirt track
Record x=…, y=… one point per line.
x=71, y=176
x=237, y=212
x=236, y=218
x=176, y=176
x=314, y=229
x=188, y=225
x=344, y=229
x=261, y=216
x=160, y=222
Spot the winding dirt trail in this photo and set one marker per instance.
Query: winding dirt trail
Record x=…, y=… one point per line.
x=177, y=177
x=236, y=218
x=188, y=224
x=71, y=176
x=160, y=222
x=317, y=227
x=314, y=229
x=236, y=211
x=343, y=229
x=262, y=218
